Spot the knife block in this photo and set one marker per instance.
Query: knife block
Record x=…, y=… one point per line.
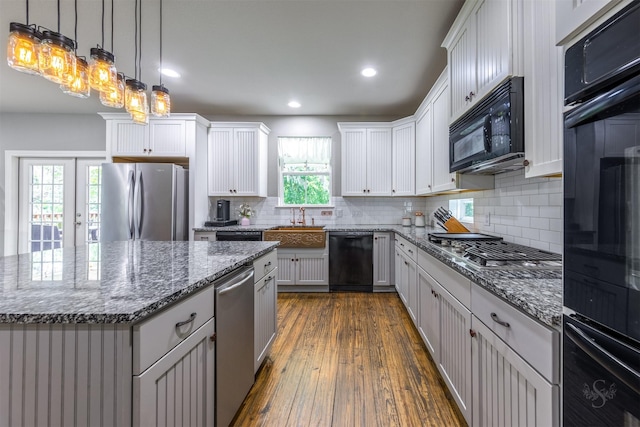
x=454, y=226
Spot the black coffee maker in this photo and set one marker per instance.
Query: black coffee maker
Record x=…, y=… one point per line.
x=223, y=215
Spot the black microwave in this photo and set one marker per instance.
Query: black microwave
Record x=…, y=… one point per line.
x=489, y=138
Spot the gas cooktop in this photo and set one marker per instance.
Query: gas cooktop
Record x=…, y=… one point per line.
x=486, y=251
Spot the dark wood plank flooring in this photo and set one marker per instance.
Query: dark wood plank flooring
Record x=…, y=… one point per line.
x=347, y=359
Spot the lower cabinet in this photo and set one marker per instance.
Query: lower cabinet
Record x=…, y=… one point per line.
x=506, y=389
x=383, y=273
x=406, y=282
x=179, y=388
x=303, y=269
x=265, y=317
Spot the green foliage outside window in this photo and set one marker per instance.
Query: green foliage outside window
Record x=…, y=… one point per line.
x=306, y=189
x=305, y=170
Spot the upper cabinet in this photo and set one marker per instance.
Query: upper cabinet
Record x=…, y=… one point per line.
x=543, y=89
x=432, y=147
x=237, y=159
x=366, y=159
x=162, y=137
x=403, y=155
x=574, y=16
x=483, y=48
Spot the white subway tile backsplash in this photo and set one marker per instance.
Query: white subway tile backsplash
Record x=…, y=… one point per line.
x=540, y=223
x=550, y=212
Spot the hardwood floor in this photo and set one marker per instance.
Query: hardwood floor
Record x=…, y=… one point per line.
x=347, y=359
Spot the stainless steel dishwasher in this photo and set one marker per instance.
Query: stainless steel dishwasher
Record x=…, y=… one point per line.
x=351, y=261
x=234, y=343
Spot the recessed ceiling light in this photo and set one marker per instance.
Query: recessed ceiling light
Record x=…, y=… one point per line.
x=169, y=72
x=294, y=104
x=369, y=72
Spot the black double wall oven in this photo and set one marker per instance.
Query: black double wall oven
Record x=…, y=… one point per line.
x=601, y=322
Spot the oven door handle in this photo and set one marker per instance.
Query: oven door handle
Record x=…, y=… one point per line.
x=486, y=131
x=615, y=96
x=615, y=366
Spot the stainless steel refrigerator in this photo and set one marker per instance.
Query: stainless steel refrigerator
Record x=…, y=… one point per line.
x=144, y=201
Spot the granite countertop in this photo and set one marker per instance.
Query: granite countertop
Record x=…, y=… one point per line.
x=117, y=282
x=537, y=292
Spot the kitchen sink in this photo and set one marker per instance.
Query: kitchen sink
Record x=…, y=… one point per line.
x=297, y=236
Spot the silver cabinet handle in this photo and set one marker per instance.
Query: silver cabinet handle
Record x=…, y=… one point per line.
x=496, y=319
x=185, y=322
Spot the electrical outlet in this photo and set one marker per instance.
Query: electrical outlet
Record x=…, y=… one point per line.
x=487, y=218
x=326, y=213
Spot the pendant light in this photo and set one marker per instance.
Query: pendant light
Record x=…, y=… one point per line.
x=135, y=96
x=23, y=46
x=78, y=84
x=56, y=57
x=102, y=71
x=160, y=100
x=114, y=97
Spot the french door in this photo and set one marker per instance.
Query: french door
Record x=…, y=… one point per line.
x=59, y=203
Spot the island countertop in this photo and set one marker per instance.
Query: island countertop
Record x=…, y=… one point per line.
x=115, y=282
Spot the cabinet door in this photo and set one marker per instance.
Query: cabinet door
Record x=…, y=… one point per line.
x=443, y=180
x=412, y=290
x=128, y=138
x=462, y=69
x=402, y=276
x=574, y=16
x=354, y=162
x=379, y=162
x=404, y=160
x=265, y=303
x=543, y=85
x=428, y=314
x=312, y=268
x=246, y=160
x=221, y=171
x=382, y=259
x=424, y=144
x=455, y=349
x=507, y=391
x=286, y=268
x=167, y=137
x=494, y=38
x=179, y=388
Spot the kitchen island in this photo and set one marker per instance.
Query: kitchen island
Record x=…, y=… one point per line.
x=71, y=334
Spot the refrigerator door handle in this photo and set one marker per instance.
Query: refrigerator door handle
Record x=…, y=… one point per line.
x=130, y=190
x=138, y=204
x=615, y=366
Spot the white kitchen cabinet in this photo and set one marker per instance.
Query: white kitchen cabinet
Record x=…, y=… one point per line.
x=403, y=155
x=179, y=388
x=366, y=159
x=483, y=48
x=382, y=262
x=208, y=236
x=237, y=163
x=266, y=306
x=303, y=269
x=432, y=147
x=406, y=279
x=162, y=137
x=543, y=88
x=574, y=16
x=506, y=389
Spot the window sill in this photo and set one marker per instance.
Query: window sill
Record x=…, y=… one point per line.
x=305, y=206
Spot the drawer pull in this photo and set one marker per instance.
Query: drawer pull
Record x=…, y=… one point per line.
x=496, y=319
x=472, y=333
x=410, y=251
x=267, y=264
x=268, y=279
x=185, y=322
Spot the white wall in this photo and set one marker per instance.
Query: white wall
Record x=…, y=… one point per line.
x=524, y=211
x=46, y=132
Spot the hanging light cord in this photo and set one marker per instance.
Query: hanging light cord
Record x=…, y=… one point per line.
x=102, y=23
x=160, y=42
x=27, y=12
x=75, y=27
x=135, y=58
x=58, y=16
x=140, y=38
x=111, y=26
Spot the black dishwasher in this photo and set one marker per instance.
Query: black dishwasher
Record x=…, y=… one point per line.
x=351, y=261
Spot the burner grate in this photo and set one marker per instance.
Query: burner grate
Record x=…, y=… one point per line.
x=505, y=251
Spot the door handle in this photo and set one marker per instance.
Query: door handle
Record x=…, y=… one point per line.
x=131, y=188
x=496, y=319
x=186, y=322
x=138, y=204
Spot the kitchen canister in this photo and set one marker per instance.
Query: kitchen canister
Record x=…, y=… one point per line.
x=406, y=222
x=419, y=222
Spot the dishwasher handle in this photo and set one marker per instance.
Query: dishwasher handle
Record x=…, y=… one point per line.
x=235, y=282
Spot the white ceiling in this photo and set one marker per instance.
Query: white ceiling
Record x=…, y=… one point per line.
x=243, y=57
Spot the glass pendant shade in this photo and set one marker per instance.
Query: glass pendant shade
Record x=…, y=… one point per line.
x=102, y=71
x=160, y=101
x=23, y=47
x=78, y=86
x=56, y=59
x=114, y=97
x=140, y=118
x=136, y=101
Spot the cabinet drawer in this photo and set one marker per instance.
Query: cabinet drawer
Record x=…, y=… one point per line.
x=454, y=282
x=407, y=247
x=534, y=342
x=209, y=236
x=265, y=264
x=154, y=337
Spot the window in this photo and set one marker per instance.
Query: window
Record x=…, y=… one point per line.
x=462, y=209
x=305, y=171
